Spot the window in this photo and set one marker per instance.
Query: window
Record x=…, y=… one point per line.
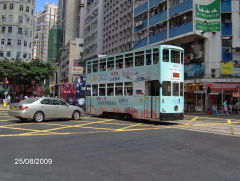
x=139, y=58
x=166, y=88
x=4, y=18
x=128, y=88
x=21, y=8
x=95, y=66
x=165, y=55
x=3, y=29
x=24, y=55
x=20, y=31
x=103, y=65
x=10, y=17
x=4, y=6
x=102, y=89
x=8, y=54
x=110, y=89
x=88, y=92
x=27, y=9
x=119, y=89
x=175, y=89
x=20, y=19
x=19, y=42
x=11, y=6
x=25, y=43
x=2, y=41
x=181, y=88
x=110, y=64
x=182, y=58
x=89, y=67
x=10, y=29
x=18, y=54
x=129, y=60
x=148, y=57
x=119, y=62
x=155, y=56
x=9, y=42
x=95, y=90
x=46, y=101
x=1, y=53
x=175, y=56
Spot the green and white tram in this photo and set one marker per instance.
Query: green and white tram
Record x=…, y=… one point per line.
x=146, y=83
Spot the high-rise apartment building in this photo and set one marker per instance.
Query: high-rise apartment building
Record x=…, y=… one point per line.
x=209, y=33
x=44, y=21
x=93, y=33
x=117, y=26
x=71, y=18
x=16, y=29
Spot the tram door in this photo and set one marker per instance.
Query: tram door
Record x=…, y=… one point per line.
x=152, y=99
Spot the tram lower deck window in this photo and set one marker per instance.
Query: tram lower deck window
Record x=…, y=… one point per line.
x=166, y=88
x=175, y=89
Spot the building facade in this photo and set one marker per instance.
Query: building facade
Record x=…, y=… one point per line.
x=71, y=18
x=209, y=33
x=16, y=29
x=93, y=39
x=117, y=26
x=44, y=21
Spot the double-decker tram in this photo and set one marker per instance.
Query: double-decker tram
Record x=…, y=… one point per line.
x=145, y=83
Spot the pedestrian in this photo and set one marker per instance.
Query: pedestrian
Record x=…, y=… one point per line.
x=8, y=99
x=225, y=106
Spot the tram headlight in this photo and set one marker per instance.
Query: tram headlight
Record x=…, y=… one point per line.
x=176, y=108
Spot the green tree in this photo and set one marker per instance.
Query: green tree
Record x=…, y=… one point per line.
x=24, y=73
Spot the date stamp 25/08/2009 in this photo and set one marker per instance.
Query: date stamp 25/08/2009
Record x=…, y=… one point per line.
x=33, y=161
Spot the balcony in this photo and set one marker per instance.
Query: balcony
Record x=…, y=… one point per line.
x=141, y=8
x=227, y=54
x=180, y=8
x=154, y=2
x=180, y=30
x=140, y=25
x=226, y=29
x=158, y=37
x=158, y=18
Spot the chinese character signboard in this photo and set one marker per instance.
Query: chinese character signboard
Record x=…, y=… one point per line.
x=208, y=15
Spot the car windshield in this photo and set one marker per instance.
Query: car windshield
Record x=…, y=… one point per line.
x=29, y=100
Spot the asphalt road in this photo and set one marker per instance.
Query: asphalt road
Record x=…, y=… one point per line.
x=111, y=150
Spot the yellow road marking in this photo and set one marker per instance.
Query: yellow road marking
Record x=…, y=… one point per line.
x=231, y=127
x=192, y=120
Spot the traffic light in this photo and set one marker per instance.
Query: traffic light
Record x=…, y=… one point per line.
x=6, y=83
x=209, y=88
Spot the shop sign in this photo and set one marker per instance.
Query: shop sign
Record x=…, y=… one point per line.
x=235, y=94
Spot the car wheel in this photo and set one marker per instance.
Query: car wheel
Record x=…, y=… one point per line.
x=38, y=117
x=76, y=115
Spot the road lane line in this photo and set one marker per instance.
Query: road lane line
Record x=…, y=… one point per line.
x=192, y=120
x=230, y=127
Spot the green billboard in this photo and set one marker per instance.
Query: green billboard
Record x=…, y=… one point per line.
x=208, y=15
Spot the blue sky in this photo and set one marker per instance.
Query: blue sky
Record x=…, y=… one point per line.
x=39, y=4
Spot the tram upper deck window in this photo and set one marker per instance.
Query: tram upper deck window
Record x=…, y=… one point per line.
x=182, y=58
x=155, y=56
x=166, y=88
x=110, y=63
x=148, y=57
x=95, y=90
x=110, y=89
x=89, y=67
x=95, y=66
x=128, y=88
x=129, y=60
x=139, y=58
x=103, y=65
x=175, y=56
x=165, y=55
x=102, y=89
x=119, y=62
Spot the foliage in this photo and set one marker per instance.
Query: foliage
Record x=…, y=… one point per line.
x=46, y=91
x=20, y=72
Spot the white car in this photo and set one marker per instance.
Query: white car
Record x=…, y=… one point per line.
x=44, y=108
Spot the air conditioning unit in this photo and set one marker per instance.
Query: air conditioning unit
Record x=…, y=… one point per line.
x=190, y=56
x=139, y=23
x=228, y=50
x=198, y=54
